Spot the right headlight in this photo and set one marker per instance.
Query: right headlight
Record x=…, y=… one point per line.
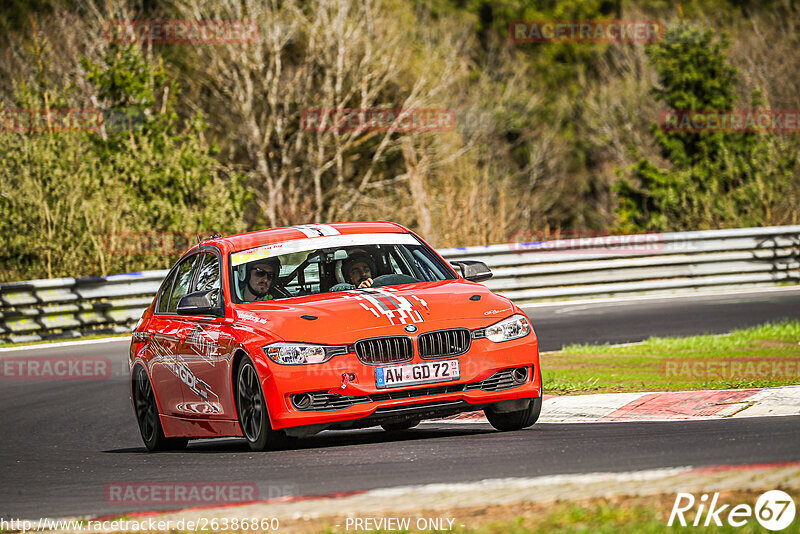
x=514, y=327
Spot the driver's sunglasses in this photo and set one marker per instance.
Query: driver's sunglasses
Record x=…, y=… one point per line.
x=258, y=271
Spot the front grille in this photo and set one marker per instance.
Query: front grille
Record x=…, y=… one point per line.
x=380, y=350
x=444, y=343
x=323, y=401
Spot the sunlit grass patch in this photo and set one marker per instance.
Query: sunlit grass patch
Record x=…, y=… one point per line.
x=762, y=356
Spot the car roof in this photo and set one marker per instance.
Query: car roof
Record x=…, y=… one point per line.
x=306, y=231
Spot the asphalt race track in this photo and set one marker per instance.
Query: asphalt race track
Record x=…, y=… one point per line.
x=63, y=441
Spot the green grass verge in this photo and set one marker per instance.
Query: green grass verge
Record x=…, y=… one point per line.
x=762, y=356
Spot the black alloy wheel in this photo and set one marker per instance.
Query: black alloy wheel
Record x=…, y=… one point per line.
x=144, y=401
x=252, y=408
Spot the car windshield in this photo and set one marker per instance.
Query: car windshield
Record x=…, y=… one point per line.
x=332, y=263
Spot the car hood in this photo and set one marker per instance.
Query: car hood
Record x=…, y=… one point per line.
x=346, y=316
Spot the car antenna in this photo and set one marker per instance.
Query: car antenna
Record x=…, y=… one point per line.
x=215, y=236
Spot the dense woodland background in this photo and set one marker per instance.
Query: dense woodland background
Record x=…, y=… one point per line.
x=549, y=138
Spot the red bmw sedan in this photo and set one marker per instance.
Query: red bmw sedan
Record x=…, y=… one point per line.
x=291, y=331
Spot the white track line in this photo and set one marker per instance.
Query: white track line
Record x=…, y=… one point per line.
x=60, y=344
x=636, y=298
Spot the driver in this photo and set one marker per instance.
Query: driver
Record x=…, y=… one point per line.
x=261, y=274
x=358, y=269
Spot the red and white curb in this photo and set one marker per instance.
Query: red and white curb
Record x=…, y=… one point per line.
x=662, y=406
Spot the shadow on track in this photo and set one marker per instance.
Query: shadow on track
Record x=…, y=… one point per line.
x=323, y=440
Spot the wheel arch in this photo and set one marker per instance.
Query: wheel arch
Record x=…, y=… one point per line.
x=141, y=365
x=239, y=354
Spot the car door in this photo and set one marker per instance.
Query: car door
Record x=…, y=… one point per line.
x=206, y=349
x=168, y=331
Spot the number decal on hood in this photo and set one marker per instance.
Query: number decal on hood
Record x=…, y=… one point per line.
x=385, y=302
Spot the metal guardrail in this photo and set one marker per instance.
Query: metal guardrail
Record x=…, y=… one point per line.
x=72, y=307
x=525, y=272
x=648, y=263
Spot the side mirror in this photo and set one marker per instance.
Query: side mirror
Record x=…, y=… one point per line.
x=201, y=303
x=473, y=270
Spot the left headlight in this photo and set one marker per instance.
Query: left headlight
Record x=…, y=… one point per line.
x=514, y=327
x=302, y=353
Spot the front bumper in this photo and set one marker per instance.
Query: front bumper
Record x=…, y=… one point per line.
x=344, y=403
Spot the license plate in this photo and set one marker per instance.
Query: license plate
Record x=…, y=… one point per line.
x=416, y=373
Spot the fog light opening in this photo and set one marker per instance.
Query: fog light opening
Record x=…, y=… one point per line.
x=520, y=375
x=302, y=401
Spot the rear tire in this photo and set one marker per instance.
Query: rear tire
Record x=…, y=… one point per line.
x=404, y=425
x=515, y=420
x=144, y=402
x=251, y=409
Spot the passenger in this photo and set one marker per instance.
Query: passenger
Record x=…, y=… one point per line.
x=261, y=275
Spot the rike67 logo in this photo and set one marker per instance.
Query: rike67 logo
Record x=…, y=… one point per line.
x=774, y=510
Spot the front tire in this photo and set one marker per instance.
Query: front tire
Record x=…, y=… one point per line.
x=252, y=408
x=144, y=401
x=515, y=420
